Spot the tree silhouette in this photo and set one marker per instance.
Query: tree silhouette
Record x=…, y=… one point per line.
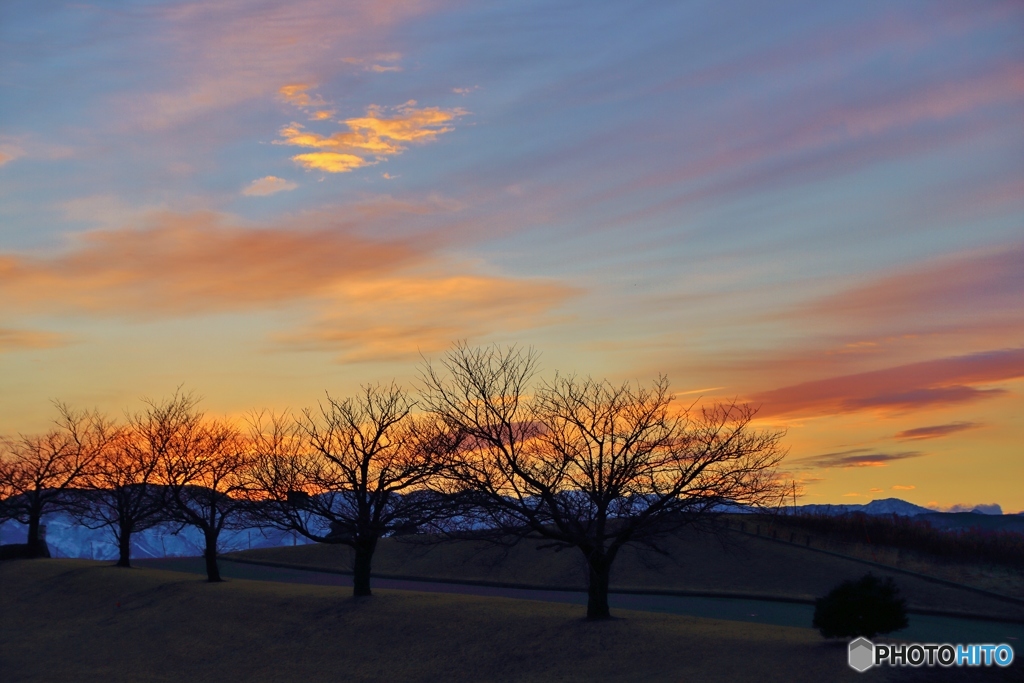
x=124, y=492
x=350, y=472
x=37, y=472
x=201, y=464
x=587, y=464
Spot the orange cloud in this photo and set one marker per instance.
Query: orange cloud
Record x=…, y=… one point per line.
x=190, y=263
x=905, y=387
x=400, y=317
x=19, y=340
x=380, y=134
x=296, y=94
x=410, y=125
x=897, y=487
x=268, y=185
x=366, y=299
x=332, y=162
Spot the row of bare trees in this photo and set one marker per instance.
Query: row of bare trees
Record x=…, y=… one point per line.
x=167, y=463
x=485, y=450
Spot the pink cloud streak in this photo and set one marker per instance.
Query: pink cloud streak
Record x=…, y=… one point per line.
x=907, y=387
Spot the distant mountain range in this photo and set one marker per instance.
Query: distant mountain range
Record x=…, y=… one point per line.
x=890, y=506
x=886, y=506
x=988, y=517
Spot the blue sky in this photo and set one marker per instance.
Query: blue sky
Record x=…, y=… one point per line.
x=267, y=200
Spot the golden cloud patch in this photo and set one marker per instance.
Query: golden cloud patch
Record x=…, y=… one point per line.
x=332, y=162
x=381, y=133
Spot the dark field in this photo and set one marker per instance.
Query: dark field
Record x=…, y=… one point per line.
x=76, y=620
x=730, y=563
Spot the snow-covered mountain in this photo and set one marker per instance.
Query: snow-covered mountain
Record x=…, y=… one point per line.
x=958, y=517
x=67, y=538
x=887, y=506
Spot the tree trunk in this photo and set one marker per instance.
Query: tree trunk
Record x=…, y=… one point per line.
x=124, y=547
x=361, y=566
x=597, y=588
x=210, y=554
x=34, y=546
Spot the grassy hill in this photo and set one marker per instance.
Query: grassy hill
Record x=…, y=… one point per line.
x=733, y=562
x=76, y=620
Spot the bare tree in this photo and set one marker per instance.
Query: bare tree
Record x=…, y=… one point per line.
x=351, y=472
x=591, y=465
x=37, y=472
x=207, y=486
x=125, y=493
x=201, y=465
x=7, y=494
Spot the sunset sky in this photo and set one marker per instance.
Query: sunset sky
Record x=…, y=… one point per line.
x=814, y=206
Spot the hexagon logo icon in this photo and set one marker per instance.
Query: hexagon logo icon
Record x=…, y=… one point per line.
x=862, y=654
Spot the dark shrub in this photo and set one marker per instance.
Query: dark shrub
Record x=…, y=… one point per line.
x=17, y=551
x=865, y=607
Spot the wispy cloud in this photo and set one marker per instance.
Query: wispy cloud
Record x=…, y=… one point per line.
x=899, y=487
x=11, y=148
x=399, y=317
x=363, y=298
x=233, y=51
x=936, y=431
x=14, y=147
x=907, y=387
x=268, y=185
x=297, y=94
x=960, y=303
x=975, y=286
x=175, y=264
x=20, y=340
x=379, y=63
x=857, y=457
